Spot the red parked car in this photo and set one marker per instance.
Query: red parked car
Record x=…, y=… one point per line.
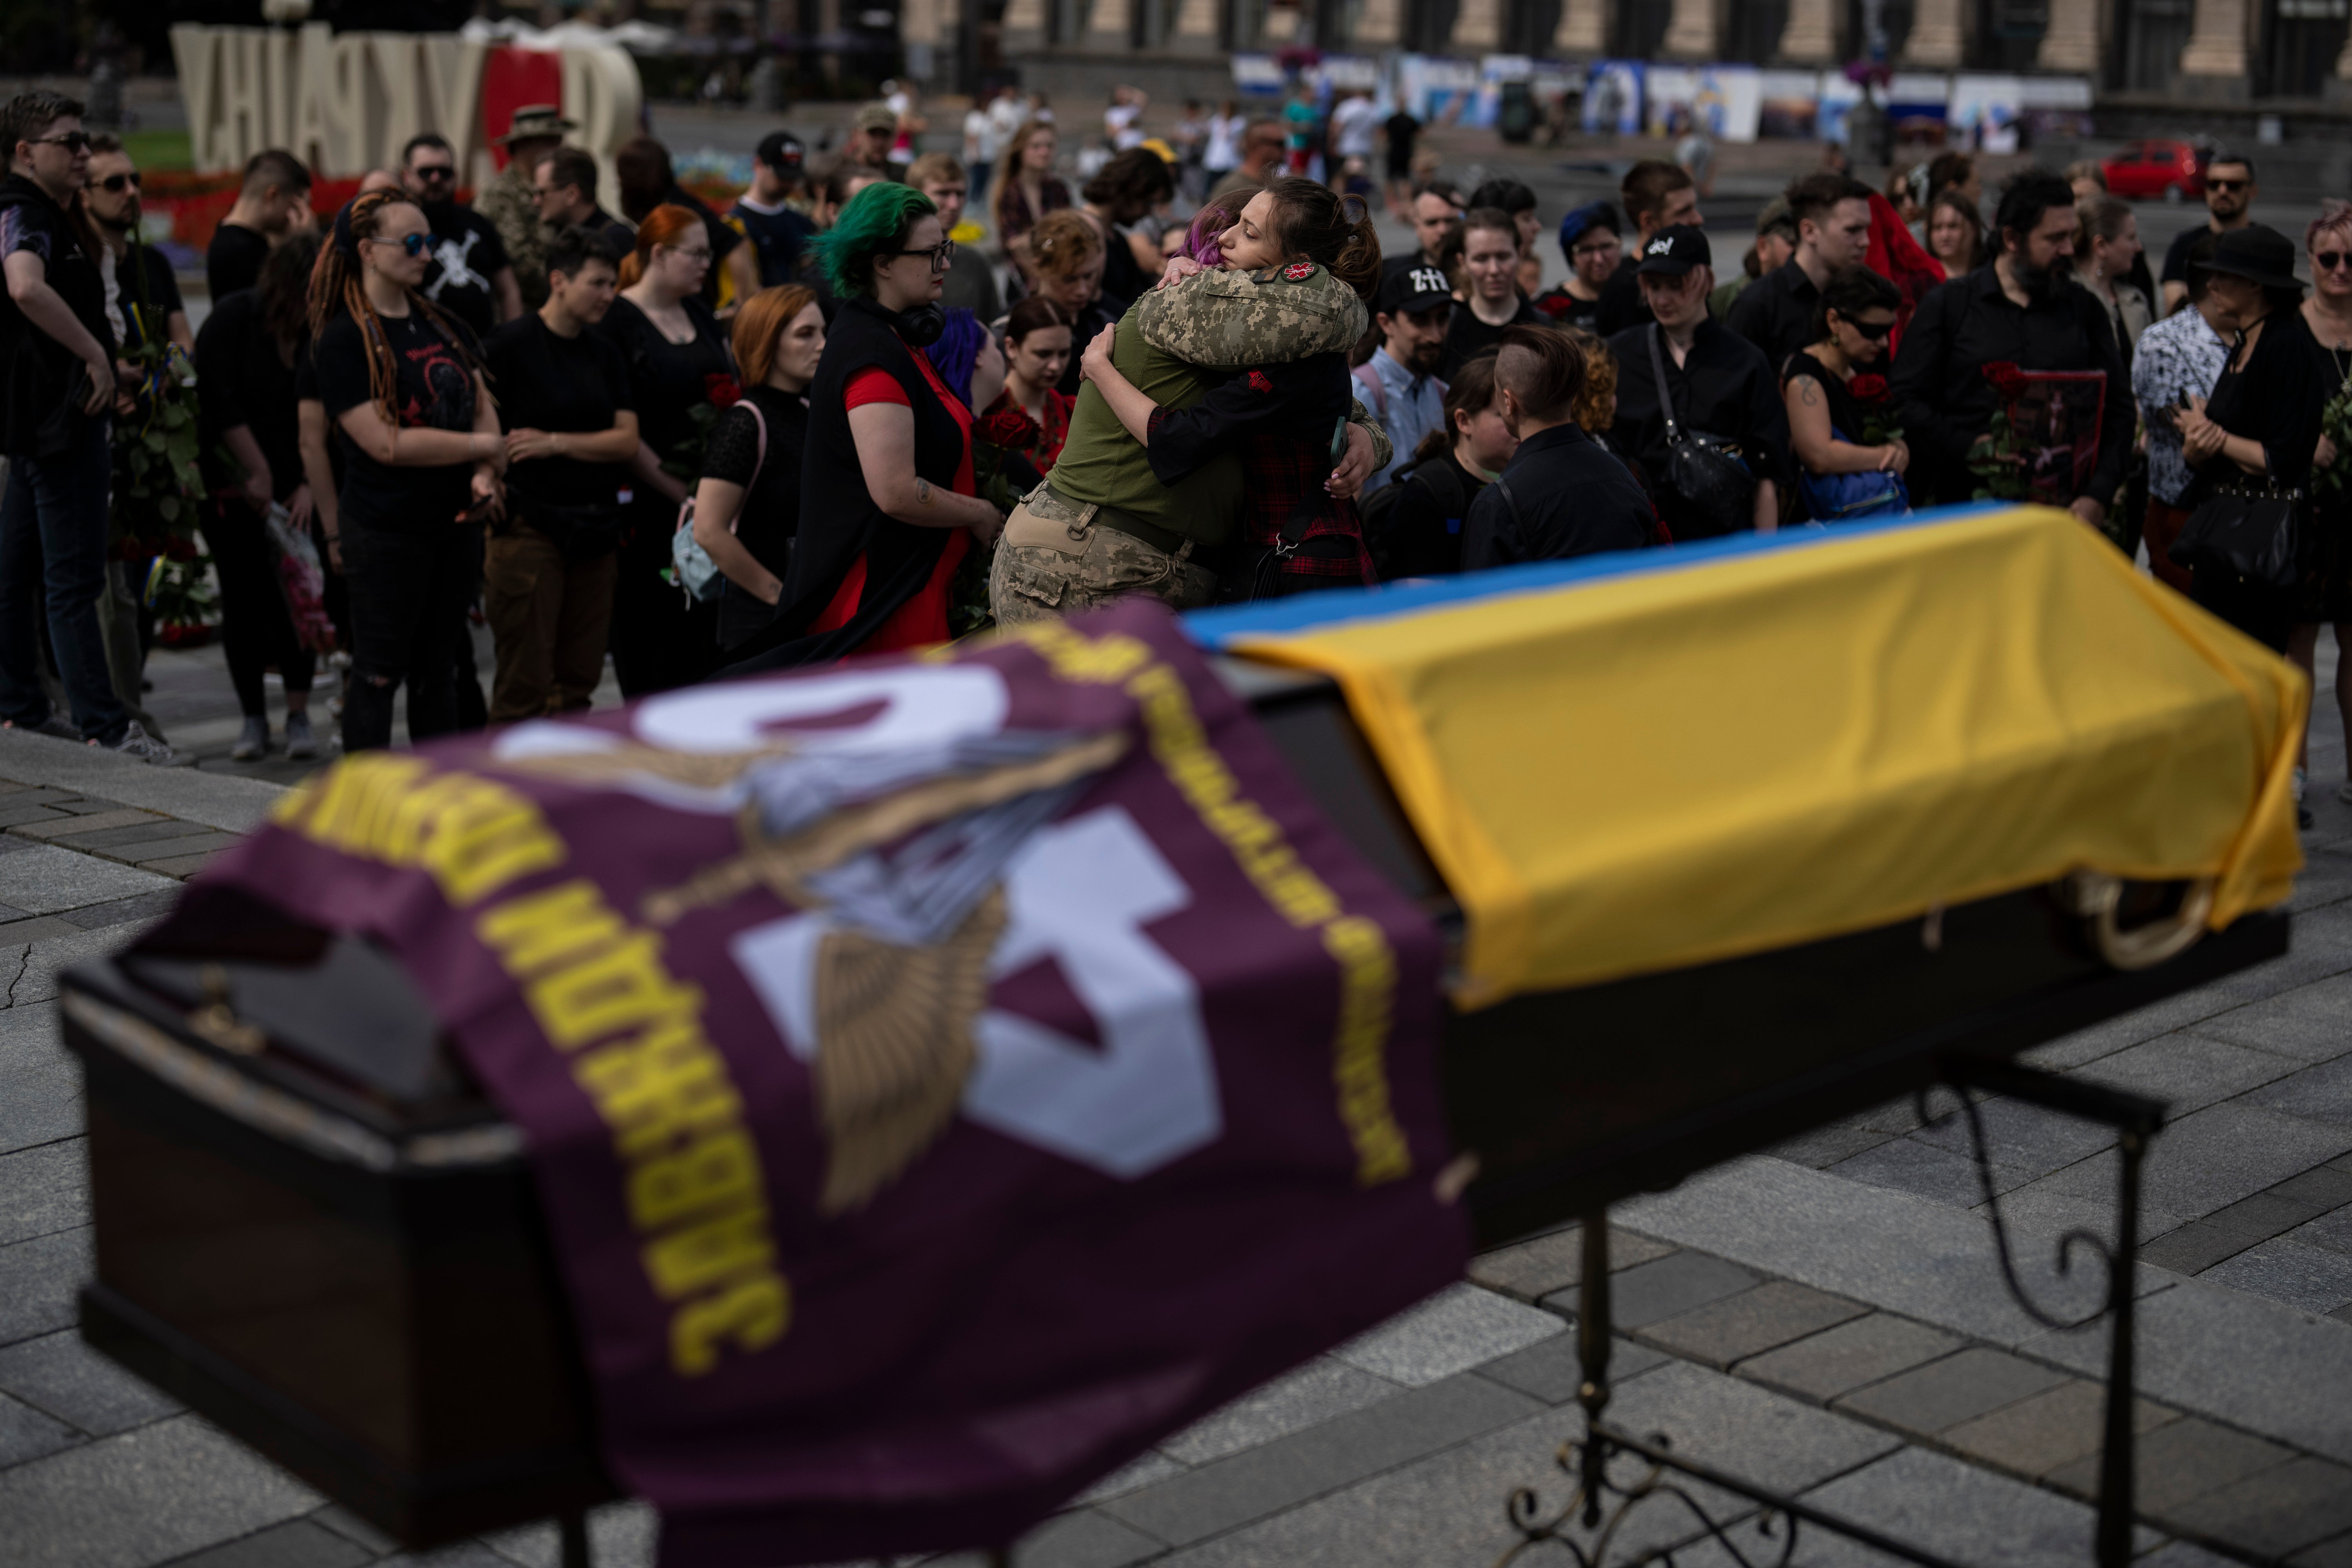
x=2173, y=170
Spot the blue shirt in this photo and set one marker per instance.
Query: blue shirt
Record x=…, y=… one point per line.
x=1409, y=406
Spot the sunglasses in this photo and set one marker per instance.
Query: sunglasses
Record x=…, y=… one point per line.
x=71, y=141
x=940, y=254
x=1870, y=329
x=414, y=244
x=117, y=181
x=2329, y=260
x=432, y=172
x=2226, y=185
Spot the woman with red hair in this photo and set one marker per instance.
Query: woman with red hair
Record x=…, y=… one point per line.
x=680, y=372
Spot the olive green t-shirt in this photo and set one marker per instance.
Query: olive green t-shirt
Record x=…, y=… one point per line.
x=1102, y=465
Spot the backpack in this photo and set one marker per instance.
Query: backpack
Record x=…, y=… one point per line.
x=697, y=572
x=1376, y=396
x=1438, y=478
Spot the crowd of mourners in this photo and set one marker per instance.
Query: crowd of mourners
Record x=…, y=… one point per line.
x=846, y=417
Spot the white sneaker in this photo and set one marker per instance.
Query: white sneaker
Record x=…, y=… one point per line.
x=137, y=743
x=252, y=741
x=301, y=743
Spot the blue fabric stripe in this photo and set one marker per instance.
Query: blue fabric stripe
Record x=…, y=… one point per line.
x=1218, y=628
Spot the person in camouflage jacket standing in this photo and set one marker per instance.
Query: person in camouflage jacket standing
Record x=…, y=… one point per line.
x=511, y=204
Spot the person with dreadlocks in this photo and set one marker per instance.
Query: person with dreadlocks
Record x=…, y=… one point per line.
x=402, y=383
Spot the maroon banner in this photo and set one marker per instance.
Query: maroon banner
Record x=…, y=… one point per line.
x=946, y=1076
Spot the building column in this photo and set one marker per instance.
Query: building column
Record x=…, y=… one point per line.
x=1110, y=25
x=2217, y=46
x=1195, y=31
x=1811, y=37
x=1478, y=26
x=1934, y=39
x=1380, y=26
x=1693, y=34
x=2072, y=41
x=1583, y=28
x=1025, y=25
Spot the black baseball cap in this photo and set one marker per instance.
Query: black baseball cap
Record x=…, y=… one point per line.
x=1412, y=289
x=1675, y=250
x=781, y=151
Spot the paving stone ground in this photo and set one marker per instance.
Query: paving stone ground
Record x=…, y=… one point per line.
x=1827, y=1320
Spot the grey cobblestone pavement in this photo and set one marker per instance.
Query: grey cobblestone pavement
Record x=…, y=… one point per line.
x=1827, y=1320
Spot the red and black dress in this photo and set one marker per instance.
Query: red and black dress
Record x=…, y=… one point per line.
x=861, y=581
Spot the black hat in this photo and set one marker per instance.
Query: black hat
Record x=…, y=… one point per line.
x=1675, y=250
x=1415, y=287
x=2258, y=254
x=781, y=151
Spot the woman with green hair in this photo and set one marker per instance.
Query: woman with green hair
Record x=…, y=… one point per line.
x=887, y=502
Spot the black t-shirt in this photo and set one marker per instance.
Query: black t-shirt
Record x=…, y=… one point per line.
x=778, y=236
x=1562, y=309
x=1845, y=413
x=39, y=370
x=667, y=379
x=1621, y=305
x=162, y=294
x=1775, y=313
x=1722, y=388
x=234, y=259
x=2176, y=255
x=432, y=390
x=1402, y=129
x=544, y=382
x=1467, y=337
x=770, y=516
x=245, y=383
x=467, y=255
x=1421, y=534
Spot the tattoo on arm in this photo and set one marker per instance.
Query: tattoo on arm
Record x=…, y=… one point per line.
x=1808, y=390
x=922, y=493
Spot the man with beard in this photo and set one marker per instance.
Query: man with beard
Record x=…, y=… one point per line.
x=2015, y=311
x=470, y=276
x=1399, y=382
x=2229, y=194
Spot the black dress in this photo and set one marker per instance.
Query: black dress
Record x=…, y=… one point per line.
x=660, y=638
x=2322, y=593
x=2275, y=398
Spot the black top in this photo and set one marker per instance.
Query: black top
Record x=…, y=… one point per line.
x=770, y=515
x=1944, y=402
x=598, y=221
x=838, y=520
x=1418, y=533
x=1402, y=129
x=544, y=382
x=2275, y=398
x=777, y=238
x=467, y=255
x=1562, y=309
x=1123, y=277
x=245, y=383
x=1845, y=412
x=1567, y=497
x=1621, y=305
x=724, y=238
x=1105, y=311
x=1303, y=398
x=233, y=260
x=432, y=390
x=667, y=379
x=162, y=295
x=37, y=418
x=1775, y=313
x=2176, y=255
x=1467, y=337
x=1724, y=388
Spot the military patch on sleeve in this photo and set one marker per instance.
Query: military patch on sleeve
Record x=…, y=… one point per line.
x=1299, y=271
x=1259, y=381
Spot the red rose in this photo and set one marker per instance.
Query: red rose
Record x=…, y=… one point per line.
x=1867, y=388
x=1258, y=382
x=723, y=390
x=2006, y=378
x=1011, y=428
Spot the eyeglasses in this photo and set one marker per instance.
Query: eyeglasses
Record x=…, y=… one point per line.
x=685, y=255
x=429, y=173
x=2328, y=261
x=940, y=254
x=117, y=181
x=1609, y=249
x=71, y=141
x=2226, y=185
x=413, y=244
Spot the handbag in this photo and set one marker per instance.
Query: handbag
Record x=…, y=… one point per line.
x=2243, y=531
x=1704, y=471
x=1841, y=497
x=697, y=572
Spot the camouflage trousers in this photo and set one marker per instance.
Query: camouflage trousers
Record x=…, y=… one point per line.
x=1054, y=560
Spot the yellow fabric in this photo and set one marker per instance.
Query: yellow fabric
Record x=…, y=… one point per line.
x=1675, y=766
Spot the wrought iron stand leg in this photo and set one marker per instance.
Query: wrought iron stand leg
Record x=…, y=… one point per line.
x=2115, y=1477
x=571, y=1537
x=1592, y=1351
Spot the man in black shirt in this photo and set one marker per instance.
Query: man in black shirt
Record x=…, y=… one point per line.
x=470, y=277
x=276, y=195
x=1562, y=495
x=58, y=380
x=1656, y=195
x=2230, y=190
x=565, y=185
x=1776, y=313
x=1436, y=213
x=563, y=397
x=1717, y=383
x=2019, y=311
x=775, y=230
x=1403, y=130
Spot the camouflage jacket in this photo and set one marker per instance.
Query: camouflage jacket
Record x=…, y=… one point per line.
x=508, y=202
x=1234, y=320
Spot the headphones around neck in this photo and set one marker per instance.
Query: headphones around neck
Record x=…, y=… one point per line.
x=921, y=327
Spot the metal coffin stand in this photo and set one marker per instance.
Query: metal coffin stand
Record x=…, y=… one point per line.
x=314, y=1231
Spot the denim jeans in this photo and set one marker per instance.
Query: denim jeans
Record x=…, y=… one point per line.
x=53, y=555
x=409, y=588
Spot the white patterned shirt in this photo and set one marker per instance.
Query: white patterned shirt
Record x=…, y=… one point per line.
x=2179, y=353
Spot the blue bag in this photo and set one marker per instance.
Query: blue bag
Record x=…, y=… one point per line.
x=1842, y=497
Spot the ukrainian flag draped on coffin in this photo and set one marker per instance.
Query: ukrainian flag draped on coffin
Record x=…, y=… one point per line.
x=1644, y=762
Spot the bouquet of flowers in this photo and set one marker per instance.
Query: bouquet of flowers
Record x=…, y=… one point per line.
x=2043, y=440
x=999, y=437
x=720, y=392
x=1879, y=426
